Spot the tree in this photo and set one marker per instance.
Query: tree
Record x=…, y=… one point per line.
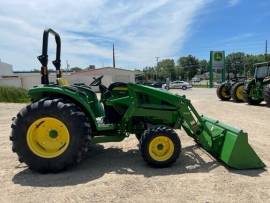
x=149, y=73
x=90, y=67
x=203, y=66
x=35, y=70
x=75, y=69
x=250, y=60
x=190, y=66
x=235, y=62
x=166, y=69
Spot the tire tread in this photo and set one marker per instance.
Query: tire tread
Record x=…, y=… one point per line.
x=71, y=114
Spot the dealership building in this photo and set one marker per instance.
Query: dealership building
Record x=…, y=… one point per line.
x=27, y=79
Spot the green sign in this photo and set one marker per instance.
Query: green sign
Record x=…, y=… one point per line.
x=217, y=67
x=218, y=56
x=217, y=61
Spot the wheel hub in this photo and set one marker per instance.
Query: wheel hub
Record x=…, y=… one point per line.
x=48, y=137
x=224, y=92
x=53, y=134
x=240, y=92
x=161, y=148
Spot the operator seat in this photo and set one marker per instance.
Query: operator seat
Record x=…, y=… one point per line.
x=118, y=86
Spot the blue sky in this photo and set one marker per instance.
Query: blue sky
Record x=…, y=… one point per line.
x=239, y=25
x=141, y=30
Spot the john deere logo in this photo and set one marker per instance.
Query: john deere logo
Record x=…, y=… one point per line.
x=218, y=56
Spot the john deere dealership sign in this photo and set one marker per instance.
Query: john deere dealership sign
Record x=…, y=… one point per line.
x=217, y=67
x=217, y=59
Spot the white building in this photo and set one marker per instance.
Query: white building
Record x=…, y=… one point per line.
x=5, y=69
x=29, y=79
x=7, y=77
x=110, y=75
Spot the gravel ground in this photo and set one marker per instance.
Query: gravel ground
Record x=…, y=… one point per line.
x=115, y=172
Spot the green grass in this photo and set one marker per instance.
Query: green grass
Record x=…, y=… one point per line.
x=13, y=94
x=200, y=85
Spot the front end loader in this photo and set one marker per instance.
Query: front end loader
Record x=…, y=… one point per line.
x=55, y=131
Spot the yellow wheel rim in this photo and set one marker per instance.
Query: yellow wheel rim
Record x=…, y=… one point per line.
x=224, y=93
x=161, y=148
x=48, y=137
x=240, y=92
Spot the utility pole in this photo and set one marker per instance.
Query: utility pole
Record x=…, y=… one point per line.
x=266, y=50
x=113, y=57
x=67, y=65
x=157, y=57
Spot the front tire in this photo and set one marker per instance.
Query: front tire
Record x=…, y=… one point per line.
x=160, y=146
x=249, y=99
x=266, y=94
x=50, y=135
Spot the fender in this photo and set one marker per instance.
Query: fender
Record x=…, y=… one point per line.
x=247, y=82
x=79, y=97
x=266, y=80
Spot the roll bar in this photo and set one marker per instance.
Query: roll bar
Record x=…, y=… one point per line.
x=262, y=64
x=44, y=57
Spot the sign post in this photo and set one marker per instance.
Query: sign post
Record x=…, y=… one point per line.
x=217, y=64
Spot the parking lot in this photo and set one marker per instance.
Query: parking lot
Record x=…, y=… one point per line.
x=115, y=172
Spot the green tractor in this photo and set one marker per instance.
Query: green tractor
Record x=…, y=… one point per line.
x=232, y=88
x=56, y=130
x=257, y=89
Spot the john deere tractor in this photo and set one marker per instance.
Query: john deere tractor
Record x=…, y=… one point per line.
x=257, y=89
x=232, y=88
x=55, y=131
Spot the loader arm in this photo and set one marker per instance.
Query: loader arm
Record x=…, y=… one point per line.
x=224, y=142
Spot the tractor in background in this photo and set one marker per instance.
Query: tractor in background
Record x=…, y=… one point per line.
x=55, y=131
x=257, y=89
x=233, y=87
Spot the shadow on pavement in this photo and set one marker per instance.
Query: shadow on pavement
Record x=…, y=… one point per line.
x=102, y=161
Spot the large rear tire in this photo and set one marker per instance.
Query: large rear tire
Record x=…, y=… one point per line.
x=237, y=92
x=249, y=99
x=50, y=135
x=160, y=146
x=223, y=92
x=266, y=94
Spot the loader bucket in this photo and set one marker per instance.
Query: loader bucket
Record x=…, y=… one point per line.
x=228, y=144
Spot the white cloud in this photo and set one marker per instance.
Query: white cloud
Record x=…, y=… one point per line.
x=140, y=29
x=233, y=2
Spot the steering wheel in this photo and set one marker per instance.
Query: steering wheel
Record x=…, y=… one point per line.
x=97, y=81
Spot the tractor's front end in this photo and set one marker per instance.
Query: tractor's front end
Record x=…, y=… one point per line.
x=159, y=109
x=253, y=91
x=257, y=89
